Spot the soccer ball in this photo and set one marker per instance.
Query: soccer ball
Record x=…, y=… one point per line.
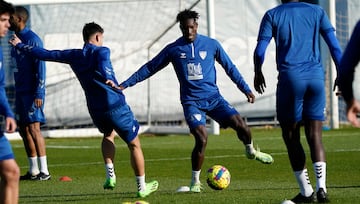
x=218, y=177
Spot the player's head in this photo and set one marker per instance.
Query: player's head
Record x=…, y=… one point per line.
x=19, y=18
x=93, y=33
x=188, y=23
x=6, y=10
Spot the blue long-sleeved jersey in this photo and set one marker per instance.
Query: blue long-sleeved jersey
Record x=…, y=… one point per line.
x=194, y=64
x=349, y=61
x=92, y=67
x=5, y=109
x=29, y=72
x=296, y=28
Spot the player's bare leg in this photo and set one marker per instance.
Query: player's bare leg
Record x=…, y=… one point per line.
x=39, y=141
x=138, y=165
x=108, y=147
x=108, y=152
x=137, y=157
x=31, y=153
x=198, y=156
x=296, y=154
x=313, y=131
x=9, y=182
x=198, y=153
x=244, y=134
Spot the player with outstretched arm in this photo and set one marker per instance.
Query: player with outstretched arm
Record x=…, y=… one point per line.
x=193, y=58
x=107, y=106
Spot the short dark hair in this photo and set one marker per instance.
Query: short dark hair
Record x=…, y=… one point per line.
x=90, y=29
x=187, y=14
x=22, y=12
x=6, y=7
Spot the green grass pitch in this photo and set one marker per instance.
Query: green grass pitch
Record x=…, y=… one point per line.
x=167, y=160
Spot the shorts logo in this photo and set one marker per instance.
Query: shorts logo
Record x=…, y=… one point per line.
x=202, y=54
x=197, y=117
x=182, y=55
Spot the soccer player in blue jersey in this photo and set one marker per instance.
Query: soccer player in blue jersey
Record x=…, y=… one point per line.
x=193, y=57
x=29, y=75
x=300, y=96
x=349, y=61
x=107, y=105
x=9, y=170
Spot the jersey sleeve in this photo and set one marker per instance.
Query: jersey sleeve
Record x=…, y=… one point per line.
x=264, y=37
x=150, y=68
x=265, y=30
x=327, y=31
x=62, y=56
x=40, y=70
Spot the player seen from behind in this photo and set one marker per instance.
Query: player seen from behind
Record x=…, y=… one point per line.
x=107, y=106
x=300, y=96
x=193, y=57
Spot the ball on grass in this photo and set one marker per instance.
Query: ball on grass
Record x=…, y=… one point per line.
x=218, y=177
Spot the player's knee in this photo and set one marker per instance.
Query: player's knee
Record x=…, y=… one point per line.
x=13, y=171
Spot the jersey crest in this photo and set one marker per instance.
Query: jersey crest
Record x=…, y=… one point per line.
x=203, y=54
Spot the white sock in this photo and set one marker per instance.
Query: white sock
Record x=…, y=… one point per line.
x=195, y=178
x=303, y=180
x=140, y=181
x=33, y=166
x=320, y=174
x=43, y=165
x=110, y=171
x=250, y=148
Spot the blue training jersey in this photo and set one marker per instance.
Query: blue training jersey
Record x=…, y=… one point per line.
x=5, y=109
x=92, y=67
x=194, y=64
x=29, y=72
x=296, y=28
x=348, y=64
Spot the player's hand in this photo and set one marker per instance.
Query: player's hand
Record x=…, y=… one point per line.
x=10, y=125
x=336, y=88
x=250, y=97
x=352, y=109
x=121, y=87
x=112, y=84
x=38, y=102
x=14, y=40
x=259, y=82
